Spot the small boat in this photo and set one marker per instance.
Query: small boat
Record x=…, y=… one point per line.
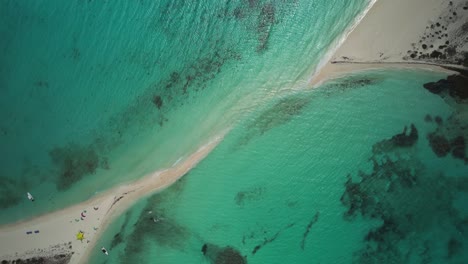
x=30, y=197
x=104, y=251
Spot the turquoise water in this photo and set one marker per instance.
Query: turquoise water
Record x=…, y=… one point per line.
x=279, y=188
x=96, y=93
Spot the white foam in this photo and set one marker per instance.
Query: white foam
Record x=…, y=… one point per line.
x=336, y=44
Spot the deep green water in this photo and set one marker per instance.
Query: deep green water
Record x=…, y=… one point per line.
x=95, y=93
x=277, y=189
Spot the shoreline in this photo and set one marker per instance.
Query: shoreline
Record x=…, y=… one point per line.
x=341, y=69
x=415, y=34
x=381, y=37
x=57, y=230
x=337, y=43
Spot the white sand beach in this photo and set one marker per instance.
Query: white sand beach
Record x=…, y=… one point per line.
x=400, y=33
x=388, y=35
x=58, y=230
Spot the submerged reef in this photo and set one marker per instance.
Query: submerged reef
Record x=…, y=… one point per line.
x=266, y=20
x=414, y=206
x=455, y=86
x=172, y=90
x=308, y=228
x=439, y=144
x=353, y=82
x=9, y=195
x=73, y=162
x=401, y=140
x=265, y=236
x=157, y=101
x=278, y=114
x=154, y=225
x=246, y=196
x=349, y=83
x=223, y=255
x=264, y=15
x=449, y=137
x=119, y=237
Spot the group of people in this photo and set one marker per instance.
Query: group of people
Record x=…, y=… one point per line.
x=103, y=249
x=31, y=198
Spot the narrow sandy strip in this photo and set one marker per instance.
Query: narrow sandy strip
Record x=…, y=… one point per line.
x=381, y=39
x=388, y=31
x=57, y=230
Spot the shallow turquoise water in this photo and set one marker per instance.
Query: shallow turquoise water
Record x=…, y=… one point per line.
x=95, y=93
x=276, y=188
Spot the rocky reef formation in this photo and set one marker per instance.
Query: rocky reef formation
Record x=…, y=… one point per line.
x=223, y=255
x=414, y=205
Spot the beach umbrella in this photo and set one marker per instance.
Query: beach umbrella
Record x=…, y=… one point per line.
x=80, y=236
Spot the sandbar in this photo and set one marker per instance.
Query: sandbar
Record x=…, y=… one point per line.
x=53, y=237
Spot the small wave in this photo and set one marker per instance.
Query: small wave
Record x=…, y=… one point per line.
x=177, y=161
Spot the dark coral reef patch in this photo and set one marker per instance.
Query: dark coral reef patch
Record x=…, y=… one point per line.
x=401, y=140
x=278, y=114
x=308, y=228
x=119, y=237
x=73, y=162
x=266, y=20
x=9, y=195
x=449, y=137
x=264, y=236
x=249, y=195
x=439, y=144
x=171, y=91
x=451, y=134
x=410, y=202
x=455, y=86
x=355, y=82
x=155, y=224
x=223, y=255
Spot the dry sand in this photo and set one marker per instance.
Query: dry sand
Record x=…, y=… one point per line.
x=402, y=33
x=57, y=230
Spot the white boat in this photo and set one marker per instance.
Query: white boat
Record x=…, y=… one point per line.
x=30, y=197
x=104, y=251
